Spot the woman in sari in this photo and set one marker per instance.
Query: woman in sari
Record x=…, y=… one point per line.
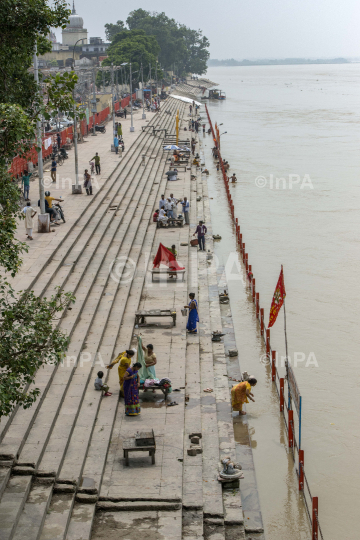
x=131, y=390
x=124, y=360
x=193, y=315
x=240, y=394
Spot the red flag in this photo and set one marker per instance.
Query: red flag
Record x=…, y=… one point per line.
x=278, y=299
x=164, y=256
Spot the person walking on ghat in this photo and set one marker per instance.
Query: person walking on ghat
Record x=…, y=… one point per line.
x=233, y=178
x=25, y=181
x=201, y=230
x=116, y=144
x=124, y=361
x=193, y=318
x=240, y=394
x=53, y=169
x=29, y=224
x=96, y=158
x=87, y=183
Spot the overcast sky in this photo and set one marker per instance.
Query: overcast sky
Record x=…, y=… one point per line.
x=250, y=28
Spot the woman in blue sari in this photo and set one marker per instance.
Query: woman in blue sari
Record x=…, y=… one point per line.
x=131, y=390
x=193, y=315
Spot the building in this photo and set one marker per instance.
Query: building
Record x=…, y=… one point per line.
x=74, y=30
x=96, y=49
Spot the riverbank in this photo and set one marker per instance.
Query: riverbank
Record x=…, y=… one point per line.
x=63, y=457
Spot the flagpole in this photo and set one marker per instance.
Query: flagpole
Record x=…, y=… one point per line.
x=286, y=350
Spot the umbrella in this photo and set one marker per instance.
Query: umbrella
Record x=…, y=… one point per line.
x=172, y=147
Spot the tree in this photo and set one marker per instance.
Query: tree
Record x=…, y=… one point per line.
x=166, y=31
x=112, y=29
x=136, y=47
x=28, y=340
x=197, y=55
x=179, y=45
x=28, y=337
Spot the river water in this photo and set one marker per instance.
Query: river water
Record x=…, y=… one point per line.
x=301, y=121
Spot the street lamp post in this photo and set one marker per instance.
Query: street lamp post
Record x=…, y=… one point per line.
x=93, y=101
x=113, y=97
x=76, y=188
x=143, y=93
x=150, y=88
x=44, y=218
x=131, y=101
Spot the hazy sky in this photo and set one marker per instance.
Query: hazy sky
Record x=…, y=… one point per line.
x=250, y=29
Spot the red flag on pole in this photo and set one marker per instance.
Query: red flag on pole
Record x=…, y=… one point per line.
x=278, y=299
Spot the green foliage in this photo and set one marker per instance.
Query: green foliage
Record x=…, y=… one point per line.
x=28, y=337
x=11, y=249
x=179, y=45
x=136, y=47
x=28, y=340
x=112, y=29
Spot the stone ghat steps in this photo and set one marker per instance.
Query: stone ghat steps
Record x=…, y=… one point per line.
x=60, y=506
x=90, y=325
x=79, y=235
x=23, y=419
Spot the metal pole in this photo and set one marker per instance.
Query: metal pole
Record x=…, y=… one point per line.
x=156, y=80
x=94, y=104
x=150, y=88
x=39, y=141
x=286, y=353
x=143, y=93
x=113, y=97
x=117, y=83
x=131, y=101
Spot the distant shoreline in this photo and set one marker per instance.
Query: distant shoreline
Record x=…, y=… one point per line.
x=286, y=62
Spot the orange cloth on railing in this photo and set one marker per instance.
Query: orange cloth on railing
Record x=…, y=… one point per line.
x=164, y=256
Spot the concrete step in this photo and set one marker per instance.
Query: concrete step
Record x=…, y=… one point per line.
x=137, y=506
x=4, y=477
x=33, y=515
x=73, y=463
x=57, y=521
x=76, y=401
x=46, y=273
x=57, y=517
x=16, y=443
x=33, y=453
x=96, y=456
x=12, y=504
x=81, y=522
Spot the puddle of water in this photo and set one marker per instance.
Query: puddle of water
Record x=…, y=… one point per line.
x=87, y=482
x=152, y=403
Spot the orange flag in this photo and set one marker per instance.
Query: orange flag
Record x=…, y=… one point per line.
x=278, y=299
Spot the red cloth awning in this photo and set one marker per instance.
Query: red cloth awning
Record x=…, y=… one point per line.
x=164, y=256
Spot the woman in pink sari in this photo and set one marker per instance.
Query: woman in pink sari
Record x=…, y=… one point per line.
x=131, y=390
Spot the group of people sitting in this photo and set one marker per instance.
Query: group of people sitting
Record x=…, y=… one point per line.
x=168, y=210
